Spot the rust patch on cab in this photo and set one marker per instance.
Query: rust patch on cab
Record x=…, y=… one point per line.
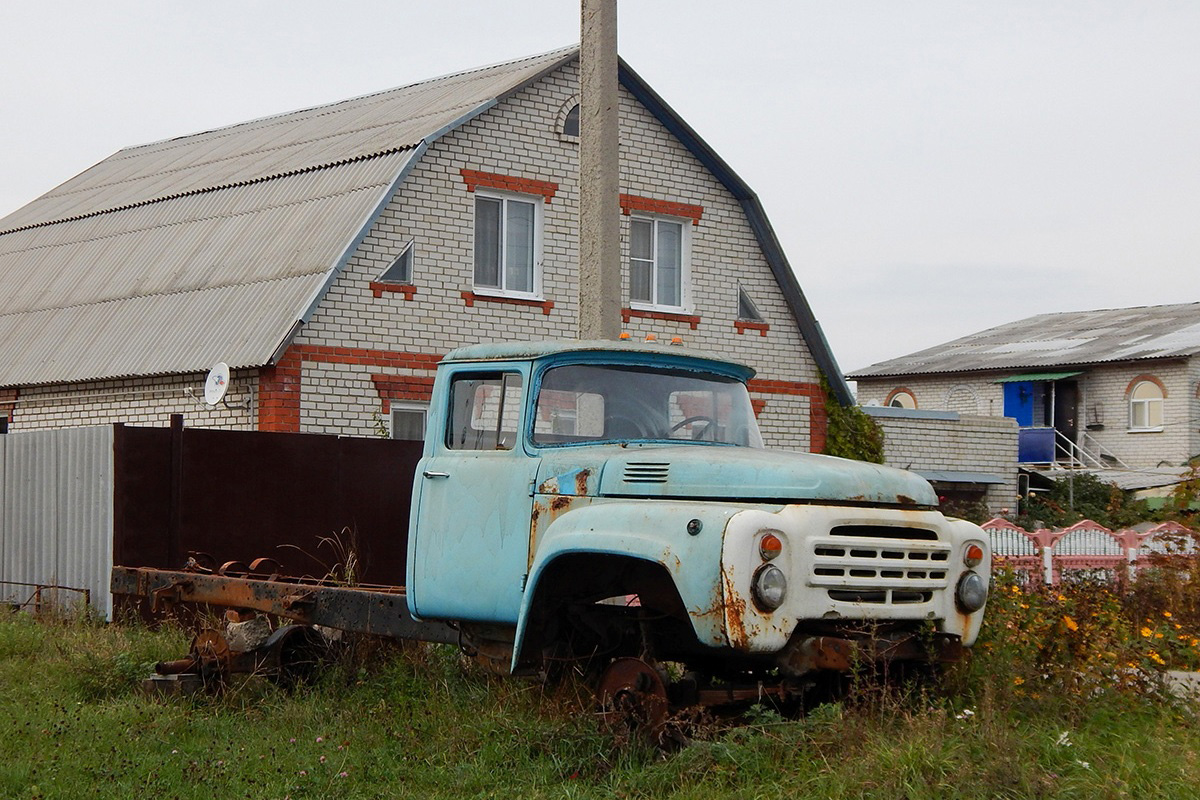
x=905, y=500
x=559, y=503
x=735, y=611
x=581, y=479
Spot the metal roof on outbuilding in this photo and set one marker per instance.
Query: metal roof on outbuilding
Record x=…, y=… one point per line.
x=1057, y=340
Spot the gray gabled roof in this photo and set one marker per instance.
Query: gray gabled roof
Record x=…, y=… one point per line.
x=1054, y=340
x=167, y=257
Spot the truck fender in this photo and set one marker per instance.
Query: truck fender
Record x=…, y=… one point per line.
x=655, y=533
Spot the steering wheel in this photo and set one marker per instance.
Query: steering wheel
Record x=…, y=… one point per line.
x=710, y=422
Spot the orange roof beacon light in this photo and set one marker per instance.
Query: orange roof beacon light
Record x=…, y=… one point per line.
x=676, y=340
x=624, y=337
x=650, y=337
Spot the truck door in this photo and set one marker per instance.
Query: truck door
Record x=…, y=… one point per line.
x=472, y=533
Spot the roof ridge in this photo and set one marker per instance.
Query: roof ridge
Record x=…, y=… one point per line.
x=207, y=189
x=332, y=105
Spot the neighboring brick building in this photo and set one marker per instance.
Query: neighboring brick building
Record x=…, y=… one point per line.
x=1111, y=388
x=967, y=459
x=330, y=256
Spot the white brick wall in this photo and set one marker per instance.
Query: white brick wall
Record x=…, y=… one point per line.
x=1103, y=403
x=967, y=444
x=137, y=401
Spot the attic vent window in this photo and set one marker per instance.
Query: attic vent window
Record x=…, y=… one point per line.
x=398, y=275
x=748, y=316
x=570, y=126
x=400, y=270
x=746, y=308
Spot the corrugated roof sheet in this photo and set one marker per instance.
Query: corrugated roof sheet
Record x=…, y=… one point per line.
x=281, y=144
x=166, y=257
x=1064, y=339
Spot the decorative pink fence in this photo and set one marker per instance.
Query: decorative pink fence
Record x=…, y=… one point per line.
x=1086, y=546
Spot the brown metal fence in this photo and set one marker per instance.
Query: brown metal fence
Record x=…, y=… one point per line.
x=305, y=500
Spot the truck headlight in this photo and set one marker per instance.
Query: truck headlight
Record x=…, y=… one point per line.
x=971, y=593
x=769, y=587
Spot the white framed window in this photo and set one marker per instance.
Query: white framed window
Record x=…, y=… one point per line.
x=508, y=244
x=401, y=268
x=659, y=250
x=408, y=422
x=1146, y=407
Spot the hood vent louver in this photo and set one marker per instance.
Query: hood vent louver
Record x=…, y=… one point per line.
x=646, y=471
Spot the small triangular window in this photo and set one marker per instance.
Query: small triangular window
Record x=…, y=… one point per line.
x=400, y=270
x=746, y=308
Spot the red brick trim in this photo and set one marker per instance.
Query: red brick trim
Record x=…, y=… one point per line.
x=493, y=180
x=279, y=394
x=632, y=202
x=1145, y=377
x=406, y=289
x=741, y=326
x=818, y=419
x=471, y=298
x=371, y=358
x=901, y=390
x=758, y=405
x=402, y=387
x=691, y=319
x=8, y=402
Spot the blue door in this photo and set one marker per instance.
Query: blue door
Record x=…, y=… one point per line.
x=1018, y=402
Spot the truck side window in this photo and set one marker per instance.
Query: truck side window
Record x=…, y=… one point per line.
x=485, y=409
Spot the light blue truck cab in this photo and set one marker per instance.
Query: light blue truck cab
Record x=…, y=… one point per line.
x=614, y=500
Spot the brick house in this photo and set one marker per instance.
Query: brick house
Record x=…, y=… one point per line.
x=1102, y=389
x=331, y=256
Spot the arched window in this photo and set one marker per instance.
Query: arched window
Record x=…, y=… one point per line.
x=1146, y=406
x=571, y=122
x=901, y=398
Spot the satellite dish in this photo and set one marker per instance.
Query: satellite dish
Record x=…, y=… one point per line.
x=217, y=383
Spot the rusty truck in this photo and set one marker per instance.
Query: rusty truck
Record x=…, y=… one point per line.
x=611, y=503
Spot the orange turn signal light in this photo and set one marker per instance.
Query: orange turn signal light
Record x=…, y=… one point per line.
x=973, y=555
x=770, y=546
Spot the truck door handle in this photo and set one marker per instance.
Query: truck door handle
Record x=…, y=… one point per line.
x=431, y=474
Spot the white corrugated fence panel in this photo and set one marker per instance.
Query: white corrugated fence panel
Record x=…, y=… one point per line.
x=56, y=517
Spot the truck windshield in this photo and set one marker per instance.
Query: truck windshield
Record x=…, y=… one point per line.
x=585, y=403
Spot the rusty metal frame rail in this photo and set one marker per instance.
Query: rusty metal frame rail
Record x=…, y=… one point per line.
x=362, y=610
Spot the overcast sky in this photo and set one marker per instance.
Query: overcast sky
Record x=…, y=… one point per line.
x=931, y=168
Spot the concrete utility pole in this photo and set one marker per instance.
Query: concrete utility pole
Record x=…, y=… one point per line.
x=599, y=166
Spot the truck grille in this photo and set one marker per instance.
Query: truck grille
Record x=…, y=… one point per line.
x=877, y=564
x=646, y=471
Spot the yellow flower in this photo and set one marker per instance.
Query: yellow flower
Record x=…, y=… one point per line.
x=1158, y=636
x=1146, y=632
x=1071, y=624
x=1024, y=605
x=1195, y=642
x=1018, y=681
x=1062, y=598
x=1156, y=658
x=1167, y=614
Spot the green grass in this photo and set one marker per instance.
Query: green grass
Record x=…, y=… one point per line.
x=419, y=723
